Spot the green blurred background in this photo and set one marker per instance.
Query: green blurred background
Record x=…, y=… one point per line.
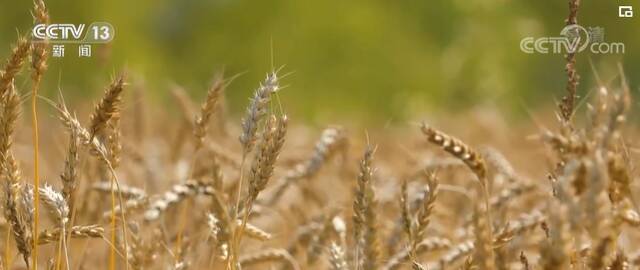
x=374, y=60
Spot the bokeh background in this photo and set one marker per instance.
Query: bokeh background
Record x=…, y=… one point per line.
x=375, y=61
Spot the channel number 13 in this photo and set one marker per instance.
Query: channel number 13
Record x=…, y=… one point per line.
x=101, y=32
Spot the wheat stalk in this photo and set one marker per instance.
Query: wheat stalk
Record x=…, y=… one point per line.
x=483, y=255
x=39, y=58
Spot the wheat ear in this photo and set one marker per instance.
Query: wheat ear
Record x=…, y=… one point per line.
x=458, y=149
x=58, y=206
x=256, y=111
x=428, y=202
x=264, y=164
x=364, y=215
x=56, y=203
x=262, y=168
x=88, y=231
x=426, y=245
x=11, y=173
x=20, y=229
x=69, y=175
x=14, y=63
x=108, y=107
x=567, y=103
x=331, y=140
x=337, y=257
x=207, y=109
x=474, y=161
x=10, y=108
x=221, y=220
x=268, y=255
x=128, y=192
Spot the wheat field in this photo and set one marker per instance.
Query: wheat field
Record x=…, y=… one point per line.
x=118, y=187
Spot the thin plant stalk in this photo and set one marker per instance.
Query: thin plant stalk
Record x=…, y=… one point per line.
x=36, y=171
x=39, y=66
x=7, y=248
x=112, y=255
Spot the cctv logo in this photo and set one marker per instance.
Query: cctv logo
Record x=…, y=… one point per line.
x=98, y=32
x=57, y=31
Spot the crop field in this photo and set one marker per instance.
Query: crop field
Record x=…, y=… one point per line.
x=125, y=182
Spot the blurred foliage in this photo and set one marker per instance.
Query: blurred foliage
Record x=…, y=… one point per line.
x=374, y=60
